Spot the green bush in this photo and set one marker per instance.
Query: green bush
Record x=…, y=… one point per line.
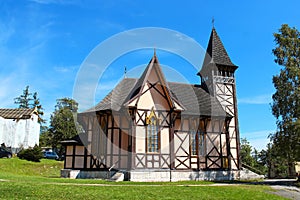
x=32, y=154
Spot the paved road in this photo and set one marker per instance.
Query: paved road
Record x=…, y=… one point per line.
x=283, y=187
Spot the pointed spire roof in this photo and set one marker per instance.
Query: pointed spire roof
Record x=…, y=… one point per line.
x=216, y=53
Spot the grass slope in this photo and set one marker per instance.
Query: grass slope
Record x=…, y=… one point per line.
x=20, y=179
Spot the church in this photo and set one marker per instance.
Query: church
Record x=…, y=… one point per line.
x=149, y=129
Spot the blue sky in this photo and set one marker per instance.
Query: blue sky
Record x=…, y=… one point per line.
x=44, y=42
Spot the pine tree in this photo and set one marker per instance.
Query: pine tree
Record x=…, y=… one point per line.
x=37, y=104
x=29, y=100
x=24, y=99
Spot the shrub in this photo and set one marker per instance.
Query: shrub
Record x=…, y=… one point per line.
x=32, y=154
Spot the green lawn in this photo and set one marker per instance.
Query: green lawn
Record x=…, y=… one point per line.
x=20, y=179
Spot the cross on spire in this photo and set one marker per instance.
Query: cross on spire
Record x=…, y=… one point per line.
x=125, y=71
x=213, y=22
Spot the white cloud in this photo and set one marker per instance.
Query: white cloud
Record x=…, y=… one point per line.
x=258, y=139
x=53, y=1
x=66, y=69
x=260, y=99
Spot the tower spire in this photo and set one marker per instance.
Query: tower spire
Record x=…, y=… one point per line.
x=217, y=54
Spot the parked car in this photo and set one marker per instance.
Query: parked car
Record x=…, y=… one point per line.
x=51, y=155
x=5, y=153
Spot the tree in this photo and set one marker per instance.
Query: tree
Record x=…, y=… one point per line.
x=62, y=122
x=245, y=153
x=45, y=137
x=32, y=154
x=286, y=99
x=252, y=159
x=37, y=104
x=276, y=164
x=24, y=99
x=27, y=100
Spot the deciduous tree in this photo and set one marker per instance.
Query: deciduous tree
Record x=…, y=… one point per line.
x=62, y=123
x=286, y=100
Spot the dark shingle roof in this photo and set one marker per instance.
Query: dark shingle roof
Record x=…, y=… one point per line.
x=193, y=98
x=196, y=100
x=75, y=140
x=115, y=99
x=216, y=53
x=16, y=113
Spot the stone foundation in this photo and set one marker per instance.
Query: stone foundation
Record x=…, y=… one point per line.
x=164, y=175
x=73, y=174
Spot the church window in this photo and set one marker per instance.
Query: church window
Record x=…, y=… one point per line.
x=197, y=142
x=152, y=134
x=201, y=143
x=194, y=140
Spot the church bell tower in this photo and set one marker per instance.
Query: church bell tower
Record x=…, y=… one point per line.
x=217, y=78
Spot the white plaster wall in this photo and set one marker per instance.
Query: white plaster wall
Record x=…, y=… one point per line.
x=140, y=139
x=164, y=140
x=17, y=133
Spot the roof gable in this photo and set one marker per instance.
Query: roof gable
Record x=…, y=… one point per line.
x=152, y=82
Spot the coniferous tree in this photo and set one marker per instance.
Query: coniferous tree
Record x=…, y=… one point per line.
x=24, y=99
x=37, y=104
x=29, y=100
x=245, y=153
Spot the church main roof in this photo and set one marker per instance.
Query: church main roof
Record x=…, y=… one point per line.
x=194, y=99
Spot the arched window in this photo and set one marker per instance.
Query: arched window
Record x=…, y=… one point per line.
x=194, y=141
x=152, y=134
x=197, y=142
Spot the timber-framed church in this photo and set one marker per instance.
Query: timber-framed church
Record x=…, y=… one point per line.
x=149, y=129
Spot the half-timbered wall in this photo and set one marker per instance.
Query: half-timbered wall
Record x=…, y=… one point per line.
x=108, y=143
x=225, y=93
x=77, y=157
x=211, y=143
x=152, y=160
